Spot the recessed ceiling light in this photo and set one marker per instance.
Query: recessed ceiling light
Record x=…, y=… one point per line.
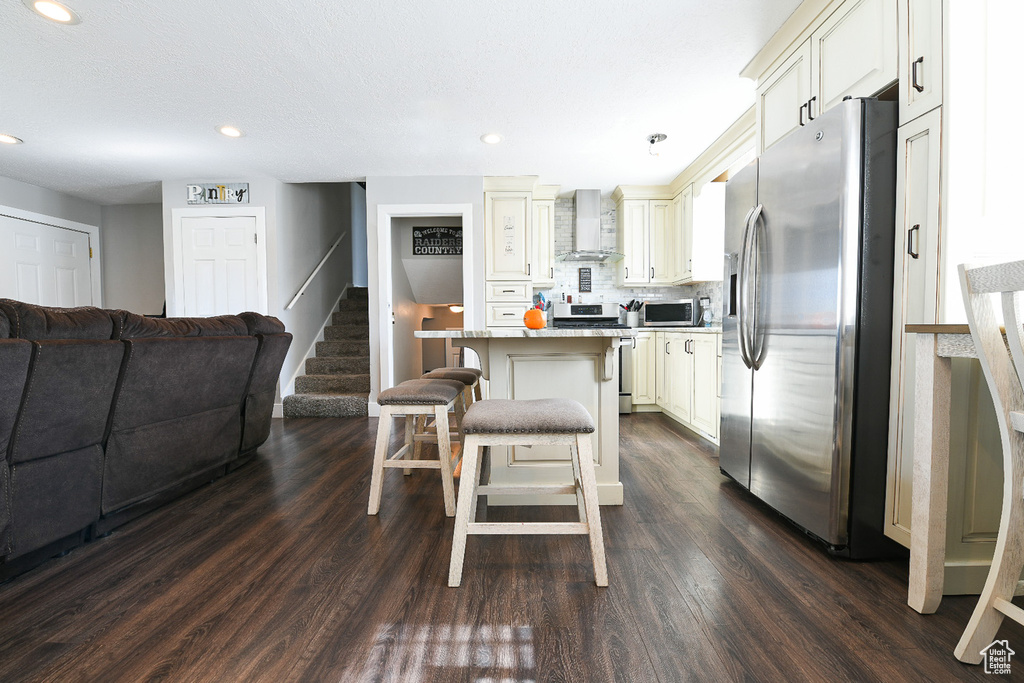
x=10, y=139
x=491, y=138
x=54, y=11
x=230, y=131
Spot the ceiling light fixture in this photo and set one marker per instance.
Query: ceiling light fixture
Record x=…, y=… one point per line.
x=653, y=139
x=229, y=131
x=455, y=308
x=54, y=11
x=491, y=138
x=10, y=139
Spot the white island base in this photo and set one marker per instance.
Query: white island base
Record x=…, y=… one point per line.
x=526, y=364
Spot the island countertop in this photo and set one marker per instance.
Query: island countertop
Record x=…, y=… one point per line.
x=554, y=333
x=522, y=332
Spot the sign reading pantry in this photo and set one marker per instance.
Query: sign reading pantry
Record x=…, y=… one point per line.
x=218, y=193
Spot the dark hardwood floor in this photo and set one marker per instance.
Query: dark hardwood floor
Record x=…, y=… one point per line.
x=275, y=573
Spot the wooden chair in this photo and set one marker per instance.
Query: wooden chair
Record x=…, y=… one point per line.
x=414, y=398
x=982, y=288
x=500, y=422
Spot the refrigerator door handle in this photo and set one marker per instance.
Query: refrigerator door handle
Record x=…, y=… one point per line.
x=741, y=293
x=757, y=345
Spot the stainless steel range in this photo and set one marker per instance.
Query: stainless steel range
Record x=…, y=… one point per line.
x=592, y=316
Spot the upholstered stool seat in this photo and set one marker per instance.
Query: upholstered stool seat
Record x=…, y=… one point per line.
x=529, y=423
x=470, y=378
x=413, y=398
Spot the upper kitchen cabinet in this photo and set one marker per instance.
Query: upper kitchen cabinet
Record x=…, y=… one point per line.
x=508, y=218
x=543, y=238
x=707, y=234
x=920, y=31
x=682, y=216
x=852, y=52
x=646, y=236
x=783, y=97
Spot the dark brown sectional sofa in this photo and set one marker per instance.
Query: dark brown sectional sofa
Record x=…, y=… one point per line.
x=107, y=414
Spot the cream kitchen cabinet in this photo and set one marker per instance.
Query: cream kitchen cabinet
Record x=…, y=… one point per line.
x=704, y=406
x=508, y=218
x=682, y=218
x=852, y=53
x=645, y=375
x=920, y=37
x=782, y=98
x=543, y=238
x=706, y=234
x=646, y=236
x=687, y=383
x=915, y=284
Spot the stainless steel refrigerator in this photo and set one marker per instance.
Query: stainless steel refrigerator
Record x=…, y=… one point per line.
x=806, y=328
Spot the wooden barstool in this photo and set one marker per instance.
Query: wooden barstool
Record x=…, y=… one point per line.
x=413, y=398
x=470, y=378
x=537, y=422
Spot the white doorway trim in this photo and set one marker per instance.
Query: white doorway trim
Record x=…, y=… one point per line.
x=385, y=214
x=176, y=292
x=95, y=272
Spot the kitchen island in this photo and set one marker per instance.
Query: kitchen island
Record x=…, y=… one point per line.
x=551, y=363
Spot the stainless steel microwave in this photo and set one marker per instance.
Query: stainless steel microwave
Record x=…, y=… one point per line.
x=680, y=313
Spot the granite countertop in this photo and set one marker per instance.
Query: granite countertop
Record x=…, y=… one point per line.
x=521, y=332
x=715, y=329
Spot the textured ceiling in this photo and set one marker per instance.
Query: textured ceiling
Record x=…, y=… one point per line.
x=337, y=91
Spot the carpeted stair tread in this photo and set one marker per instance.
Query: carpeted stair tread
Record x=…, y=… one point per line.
x=342, y=332
x=326, y=405
x=332, y=384
x=338, y=365
x=343, y=347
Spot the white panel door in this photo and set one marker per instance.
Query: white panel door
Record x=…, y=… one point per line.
x=220, y=265
x=43, y=264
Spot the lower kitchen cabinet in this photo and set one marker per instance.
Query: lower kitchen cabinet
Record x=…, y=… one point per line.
x=687, y=382
x=645, y=372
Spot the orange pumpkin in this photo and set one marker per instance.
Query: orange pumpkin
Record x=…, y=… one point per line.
x=534, y=319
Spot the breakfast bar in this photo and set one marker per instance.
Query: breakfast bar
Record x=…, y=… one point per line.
x=581, y=364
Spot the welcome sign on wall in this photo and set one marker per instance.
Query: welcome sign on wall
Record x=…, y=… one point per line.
x=217, y=193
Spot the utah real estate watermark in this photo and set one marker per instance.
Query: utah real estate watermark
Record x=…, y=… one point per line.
x=997, y=657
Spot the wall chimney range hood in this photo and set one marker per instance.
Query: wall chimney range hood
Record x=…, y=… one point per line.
x=587, y=233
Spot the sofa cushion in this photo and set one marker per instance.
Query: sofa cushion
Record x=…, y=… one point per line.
x=134, y=326
x=5, y=326
x=36, y=323
x=258, y=323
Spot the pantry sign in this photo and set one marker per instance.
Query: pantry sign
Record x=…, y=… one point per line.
x=217, y=193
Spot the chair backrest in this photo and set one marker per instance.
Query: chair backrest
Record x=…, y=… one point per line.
x=987, y=290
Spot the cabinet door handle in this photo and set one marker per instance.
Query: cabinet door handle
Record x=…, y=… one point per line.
x=552, y=270
x=913, y=74
x=910, y=241
x=527, y=268
x=652, y=272
x=666, y=348
x=802, y=113
x=634, y=342
x=627, y=271
x=508, y=291
x=508, y=314
x=809, y=103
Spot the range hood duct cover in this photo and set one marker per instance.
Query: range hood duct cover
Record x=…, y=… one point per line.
x=587, y=233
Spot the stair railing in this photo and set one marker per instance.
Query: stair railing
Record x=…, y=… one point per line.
x=305, y=285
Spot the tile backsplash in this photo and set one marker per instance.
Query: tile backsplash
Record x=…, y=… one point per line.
x=604, y=275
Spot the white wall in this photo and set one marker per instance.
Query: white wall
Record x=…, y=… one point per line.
x=47, y=202
x=133, y=258
x=420, y=190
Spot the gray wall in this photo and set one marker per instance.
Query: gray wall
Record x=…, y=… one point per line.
x=359, y=267
x=133, y=257
x=310, y=217
x=47, y=202
x=406, y=190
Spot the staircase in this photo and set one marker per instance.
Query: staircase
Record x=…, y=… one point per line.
x=337, y=380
